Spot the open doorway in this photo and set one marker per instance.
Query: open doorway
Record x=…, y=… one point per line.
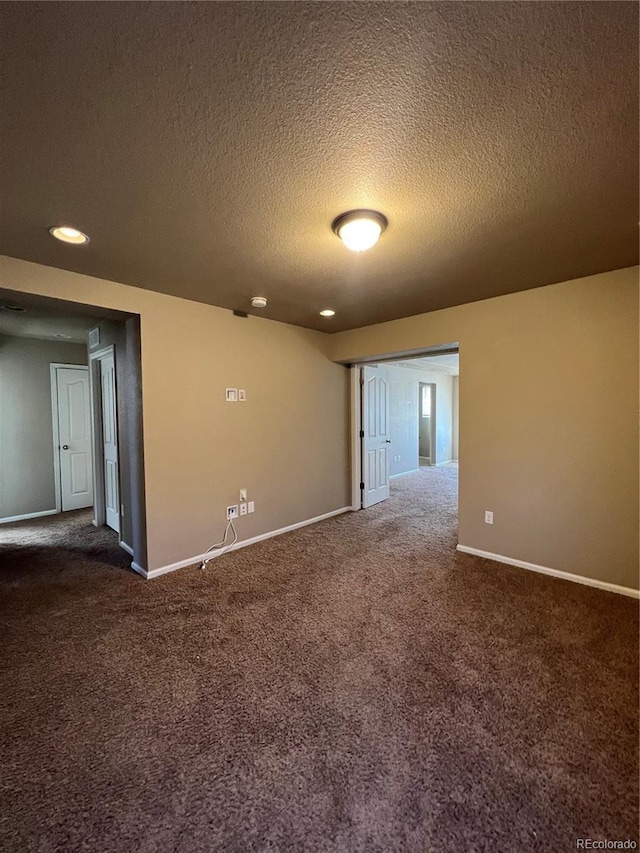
x=76, y=459
x=426, y=423
x=405, y=421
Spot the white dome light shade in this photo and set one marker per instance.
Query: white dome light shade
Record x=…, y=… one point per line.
x=69, y=235
x=327, y=312
x=359, y=230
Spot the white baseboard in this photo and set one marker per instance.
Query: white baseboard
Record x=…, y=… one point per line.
x=127, y=548
x=140, y=570
x=545, y=570
x=190, y=561
x=11, y=518
x=403, y=473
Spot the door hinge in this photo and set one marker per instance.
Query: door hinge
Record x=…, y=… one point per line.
x=361, y=433
x=362, y=485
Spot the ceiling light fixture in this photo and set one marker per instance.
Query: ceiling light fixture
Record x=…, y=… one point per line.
x=259, y=301
x=328, y=312
x=69, y=235
x=359, y=230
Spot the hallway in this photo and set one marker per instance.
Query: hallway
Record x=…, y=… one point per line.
x=59, y=545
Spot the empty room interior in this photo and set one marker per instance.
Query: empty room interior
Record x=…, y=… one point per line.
x=319, y=434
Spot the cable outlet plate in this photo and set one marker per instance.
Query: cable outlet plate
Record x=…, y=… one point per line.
x=232, y=512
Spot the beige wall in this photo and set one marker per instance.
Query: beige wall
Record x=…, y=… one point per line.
x=288, y=444
x=548, y=416
x=548, y=419
x=26, y=423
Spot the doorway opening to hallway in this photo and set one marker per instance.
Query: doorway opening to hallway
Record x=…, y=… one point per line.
x=71, y=428
x=405, y=423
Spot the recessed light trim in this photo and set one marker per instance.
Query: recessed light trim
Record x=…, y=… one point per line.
x=259, y=301
x=66, y=234
x=359, y=230
x=327, y=312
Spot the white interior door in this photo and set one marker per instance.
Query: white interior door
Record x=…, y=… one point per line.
x=375, y=441
x=74, y=434
x=110, y=441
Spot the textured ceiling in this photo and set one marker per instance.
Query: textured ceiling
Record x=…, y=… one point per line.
x=434, y=363
x=206, y=147
x=45, y=326
x=49, y=319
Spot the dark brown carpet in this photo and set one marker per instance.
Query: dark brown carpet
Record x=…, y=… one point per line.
x=352, y=686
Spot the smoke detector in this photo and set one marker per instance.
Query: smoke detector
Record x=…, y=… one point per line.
x=259, y=301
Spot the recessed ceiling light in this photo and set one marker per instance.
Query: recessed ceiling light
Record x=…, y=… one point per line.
x=69, y=235
x=60, y=335
x=328, y=312
x=259, y=301
x=359, y=230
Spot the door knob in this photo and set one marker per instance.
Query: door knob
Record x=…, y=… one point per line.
x=65, y=446
x=388, y=441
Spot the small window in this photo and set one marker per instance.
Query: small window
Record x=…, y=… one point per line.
x=426, y=401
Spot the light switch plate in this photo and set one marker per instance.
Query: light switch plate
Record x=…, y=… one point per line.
x=232, y=395
x=242, y=395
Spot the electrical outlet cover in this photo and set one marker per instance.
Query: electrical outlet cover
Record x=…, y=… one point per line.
x=232, y=511
x=243, y=494
x=243, y=509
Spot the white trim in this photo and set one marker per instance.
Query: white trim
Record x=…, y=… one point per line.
x=56, y=436
x=11, y=518
x=445, y=462
x=545, y=570
x=190, y=561
x=140, y=570
x=403, y=473
x=127, y=548
x=99, y=511
x=355, y=373
x=53, y=368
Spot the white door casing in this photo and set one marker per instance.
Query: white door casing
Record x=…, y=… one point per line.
x=72, y=415
x=375, y=438
x=110, y=441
